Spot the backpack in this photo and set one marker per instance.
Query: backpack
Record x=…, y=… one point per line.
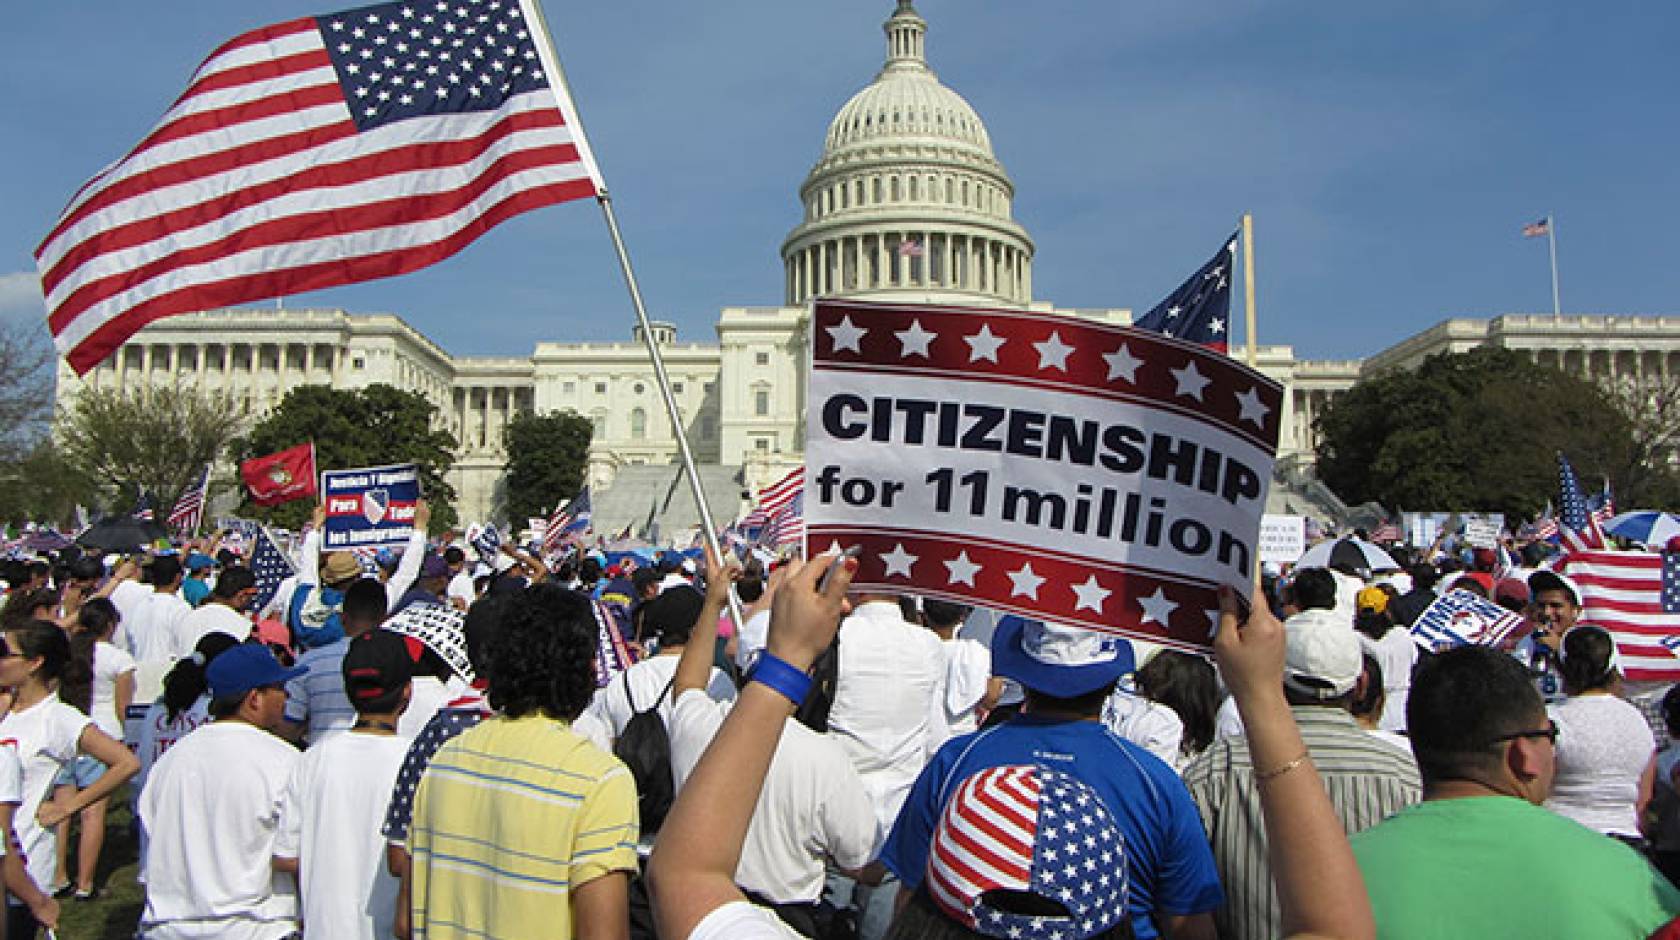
x=645, y=748
x=825, y=676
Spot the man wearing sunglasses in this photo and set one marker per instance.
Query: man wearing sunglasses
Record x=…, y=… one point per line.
x=1473, y=859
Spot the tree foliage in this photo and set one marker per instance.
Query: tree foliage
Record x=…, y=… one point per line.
x=1651, y=405
x=152, y=439
x=547, y=456
x=1478, y=430
x=26, y=388
x=41, y=486
x=365, y=427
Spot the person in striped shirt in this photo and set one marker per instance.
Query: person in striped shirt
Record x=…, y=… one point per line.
x=522, y=827
x=1367, y=779
x=315, y=701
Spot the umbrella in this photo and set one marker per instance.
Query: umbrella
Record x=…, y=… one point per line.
x=122, y=534
x=45, y=540
x=1349, y=552
x=1646, y=526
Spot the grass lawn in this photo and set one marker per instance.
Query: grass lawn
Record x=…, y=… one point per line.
x=114, y=915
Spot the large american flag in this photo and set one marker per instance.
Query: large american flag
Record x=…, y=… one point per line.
x=1636, y=596
x=314, y=153
x=1200, y=310
x=1577, y=526
x=189, y=509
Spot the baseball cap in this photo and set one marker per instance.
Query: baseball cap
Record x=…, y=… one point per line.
x=1552, y=581
x=377, y=666
x=1321, y=660
x=434, y=567
x=198, y=561
x=1007, y=851
x=672, y=613
x=1374, y=599
x=245, y=667
x=1058, y=660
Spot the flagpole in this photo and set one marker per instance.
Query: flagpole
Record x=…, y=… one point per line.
x=1248, y=287
x=1551, y=242
x=546, y=50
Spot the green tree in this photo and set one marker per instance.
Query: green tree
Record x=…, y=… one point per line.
x=156, y=439
x=41, y=487
x=1478, y=430
x=547, y=456
x=368, y=427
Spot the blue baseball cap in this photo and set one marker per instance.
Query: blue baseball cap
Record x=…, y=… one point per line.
x=245, y=667
x=198, y=561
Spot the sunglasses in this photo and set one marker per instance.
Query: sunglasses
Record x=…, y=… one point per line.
x=1550, y=733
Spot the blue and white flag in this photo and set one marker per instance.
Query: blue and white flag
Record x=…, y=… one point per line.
x=1460, y=618
x=488, y=543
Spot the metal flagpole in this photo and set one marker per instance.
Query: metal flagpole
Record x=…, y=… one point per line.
x=543, y=39
x=1248, y=287
x=1551, y=242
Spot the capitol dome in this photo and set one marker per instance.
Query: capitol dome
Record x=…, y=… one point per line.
x=907, y=201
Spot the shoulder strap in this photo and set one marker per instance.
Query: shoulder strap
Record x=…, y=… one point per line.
x=664, y=692
x=629, y=696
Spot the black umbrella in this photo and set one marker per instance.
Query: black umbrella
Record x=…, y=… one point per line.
x=122, y=534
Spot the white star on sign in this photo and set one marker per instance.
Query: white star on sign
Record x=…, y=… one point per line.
x=846, y=335
x=1025, y=582
x=915, y=340
x=1122, y=362
x=1053, y=353
x=1252, y=410
x=1156, y=607
x=1190, y=381
x=1216, y=327
x=1090, y=595
x=962, y=570
x=899, y=561
x=984, y=344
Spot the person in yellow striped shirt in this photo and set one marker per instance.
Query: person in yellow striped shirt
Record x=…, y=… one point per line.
x=522, y=827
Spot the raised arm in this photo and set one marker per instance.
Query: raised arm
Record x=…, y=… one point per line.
x=413, y=554
x=694, y=667
x=1318, y=883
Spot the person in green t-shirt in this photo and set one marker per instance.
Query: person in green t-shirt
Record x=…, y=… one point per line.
x=1478, y=857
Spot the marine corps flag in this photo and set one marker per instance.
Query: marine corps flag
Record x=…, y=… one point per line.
x=280, y=478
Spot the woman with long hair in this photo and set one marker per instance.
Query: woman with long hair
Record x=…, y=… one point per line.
x=99, y=683
x=1187, y=685
x=49, y=735
x=1606, y=753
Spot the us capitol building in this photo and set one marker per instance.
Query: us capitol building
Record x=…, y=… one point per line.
x=907, y=203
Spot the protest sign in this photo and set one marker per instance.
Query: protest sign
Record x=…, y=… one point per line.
x=1481, y=532
x=1282, y=538
x=369, y=507
x=1068, y=470
x=1460, y=618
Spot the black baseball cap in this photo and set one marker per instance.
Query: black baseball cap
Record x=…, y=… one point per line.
x=377, y=667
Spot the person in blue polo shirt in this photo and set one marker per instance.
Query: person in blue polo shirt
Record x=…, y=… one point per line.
x=1068, y=673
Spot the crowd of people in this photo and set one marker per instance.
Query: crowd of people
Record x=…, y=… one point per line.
x=438, y=745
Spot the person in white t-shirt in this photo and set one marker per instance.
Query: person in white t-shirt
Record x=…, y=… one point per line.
x=223, y=611
x=812, y=809
x=100, y=685
x=212, y=810
x=49, y=735
x=1606, y=752
x=13, y=872
x=667, y=620
x=460, y=591
x=155, y=630
x=967, y=686
x=336, y=799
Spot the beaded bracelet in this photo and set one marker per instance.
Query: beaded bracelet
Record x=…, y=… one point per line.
x=784, y=677
x=1261, y=776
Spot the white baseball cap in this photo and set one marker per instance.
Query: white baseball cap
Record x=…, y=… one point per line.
x=1321, y=660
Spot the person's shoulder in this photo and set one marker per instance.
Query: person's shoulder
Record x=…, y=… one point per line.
x=1213, y=764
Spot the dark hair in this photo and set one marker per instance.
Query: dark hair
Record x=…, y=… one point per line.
x=751, y=586
x=165, y=569
x=187, y=681
x=1368, y=700
x=226, y=706
x=1373, y=623
x=364, y=602
x=483, y=625
x=1461, y=702
x=453, y=555
x=87, y=568
x=944, y=613
x=543, y=660
x=1186, y=684
x=97, y=618
x=21, y=605
x=1424, y=577
x=231, y=581
x=921, y=919
x=1314, y=587
x=589, y=570
x=1588, y=660
x=1091, y=703
x=1671, y=710
x=37, y=638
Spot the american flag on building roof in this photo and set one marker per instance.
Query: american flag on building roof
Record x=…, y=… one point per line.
x=313, y=153
x=1200, y=309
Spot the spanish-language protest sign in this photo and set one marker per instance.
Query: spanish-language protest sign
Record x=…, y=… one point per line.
x=1063, y=469
x=1460, y=618
x=369, y=507
x=1282, y=538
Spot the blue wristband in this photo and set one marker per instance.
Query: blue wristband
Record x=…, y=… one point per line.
x=782, y=676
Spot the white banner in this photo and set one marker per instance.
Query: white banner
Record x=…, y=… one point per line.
x=1282, y=538
x=1058, y=468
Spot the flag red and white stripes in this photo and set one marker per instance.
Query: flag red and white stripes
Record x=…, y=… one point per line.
x=189, y=509
x=772, y=498
x=1636, y=596
x=985, y=838
x=311, y=154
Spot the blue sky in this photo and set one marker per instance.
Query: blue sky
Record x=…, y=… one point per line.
x=1389, y=152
